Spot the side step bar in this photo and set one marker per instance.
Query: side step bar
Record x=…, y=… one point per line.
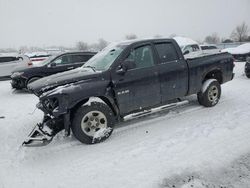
x=155, y=110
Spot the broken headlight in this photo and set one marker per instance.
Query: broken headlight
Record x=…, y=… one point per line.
x=50, y=104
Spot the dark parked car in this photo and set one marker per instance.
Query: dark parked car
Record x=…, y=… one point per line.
x=247, y=67
x=25, y=74
x=124, y=78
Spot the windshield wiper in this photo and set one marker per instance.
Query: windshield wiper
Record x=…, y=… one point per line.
x=93, y=68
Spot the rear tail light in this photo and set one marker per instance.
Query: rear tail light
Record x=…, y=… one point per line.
x=30, y=63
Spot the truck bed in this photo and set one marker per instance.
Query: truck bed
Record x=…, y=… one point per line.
x=201, y=63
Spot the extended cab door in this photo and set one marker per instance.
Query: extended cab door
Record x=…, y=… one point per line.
x=173, y=71
x=139, y=86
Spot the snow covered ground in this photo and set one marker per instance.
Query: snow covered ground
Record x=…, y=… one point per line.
x=191, y=146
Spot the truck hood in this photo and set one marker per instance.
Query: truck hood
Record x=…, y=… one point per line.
x=48, y=83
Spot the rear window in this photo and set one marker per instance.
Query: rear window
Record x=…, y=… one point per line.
x=7, y=59
x=195, y=47
x=208, y=47
x=166, y=52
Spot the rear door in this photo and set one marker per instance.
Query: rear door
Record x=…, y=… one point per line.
x=139, y=87
x=173, y=72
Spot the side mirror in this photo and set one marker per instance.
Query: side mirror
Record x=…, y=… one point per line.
x=125, y=66
x=53, y=64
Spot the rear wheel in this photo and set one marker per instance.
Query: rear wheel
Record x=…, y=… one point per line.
x=210, y=94
x=93, y=123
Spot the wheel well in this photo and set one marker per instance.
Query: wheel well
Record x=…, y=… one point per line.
x=32, y=78
x=104, y=99
x=27, y=81
x=215, y=74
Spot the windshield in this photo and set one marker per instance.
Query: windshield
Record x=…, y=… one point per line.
x=105, y=58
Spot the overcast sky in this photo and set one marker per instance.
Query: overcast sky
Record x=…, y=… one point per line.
x=64, y=22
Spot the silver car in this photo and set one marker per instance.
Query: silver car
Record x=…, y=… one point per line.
x=8, y=62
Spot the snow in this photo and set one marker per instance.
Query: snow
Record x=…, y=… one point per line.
x=242, y=49
x=184, y=41
x=206, y=84
x=93, y=99
x=187, y=146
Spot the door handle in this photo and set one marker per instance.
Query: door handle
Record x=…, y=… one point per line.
x=70, y=67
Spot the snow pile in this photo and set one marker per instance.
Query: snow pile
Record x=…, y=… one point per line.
x=242, y=49
x=184, y=41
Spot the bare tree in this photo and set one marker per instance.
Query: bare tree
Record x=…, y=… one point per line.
x=240, y=33
x=172, y=35
x=82, y=46
x=157, y=36
x=101, y=44
x=23, y=49
x=212, y=39
x=131, y=36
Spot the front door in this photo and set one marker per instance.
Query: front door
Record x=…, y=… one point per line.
x=60, y=64
x=139, y=86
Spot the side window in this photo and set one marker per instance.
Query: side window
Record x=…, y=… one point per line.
x=195, y=47
x=188, y=48
x=80, y=58
x=142, y=56
x=7, y=59
x=166, y=52
x=62, y=60
x=75, y=58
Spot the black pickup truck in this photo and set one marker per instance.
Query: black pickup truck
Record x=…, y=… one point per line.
x=124, y=78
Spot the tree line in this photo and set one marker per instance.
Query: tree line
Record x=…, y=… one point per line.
x=239, y=34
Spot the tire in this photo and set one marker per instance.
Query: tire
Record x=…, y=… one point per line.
x=93, y=123
x=210, y=94
x=32, y=80
x=248, y=75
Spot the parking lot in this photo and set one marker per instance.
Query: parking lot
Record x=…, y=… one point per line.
x=158, y=150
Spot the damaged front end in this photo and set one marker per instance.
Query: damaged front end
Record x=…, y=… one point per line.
x=43, y=133
x=56, y=118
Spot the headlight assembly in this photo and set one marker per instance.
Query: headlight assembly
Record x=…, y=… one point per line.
x=50, y=104
x=16, y=74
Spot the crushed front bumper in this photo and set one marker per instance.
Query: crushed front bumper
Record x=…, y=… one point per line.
x=43, y=133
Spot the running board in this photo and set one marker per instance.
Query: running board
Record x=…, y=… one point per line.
x=155, y=110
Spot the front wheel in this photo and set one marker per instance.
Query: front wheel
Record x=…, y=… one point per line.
x=93, y=123
x=210, y=93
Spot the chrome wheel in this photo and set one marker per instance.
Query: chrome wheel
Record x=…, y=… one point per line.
x=93, y=122
x=213, y=94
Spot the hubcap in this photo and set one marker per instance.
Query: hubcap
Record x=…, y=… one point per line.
x=93, y=122
x=213, y=94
